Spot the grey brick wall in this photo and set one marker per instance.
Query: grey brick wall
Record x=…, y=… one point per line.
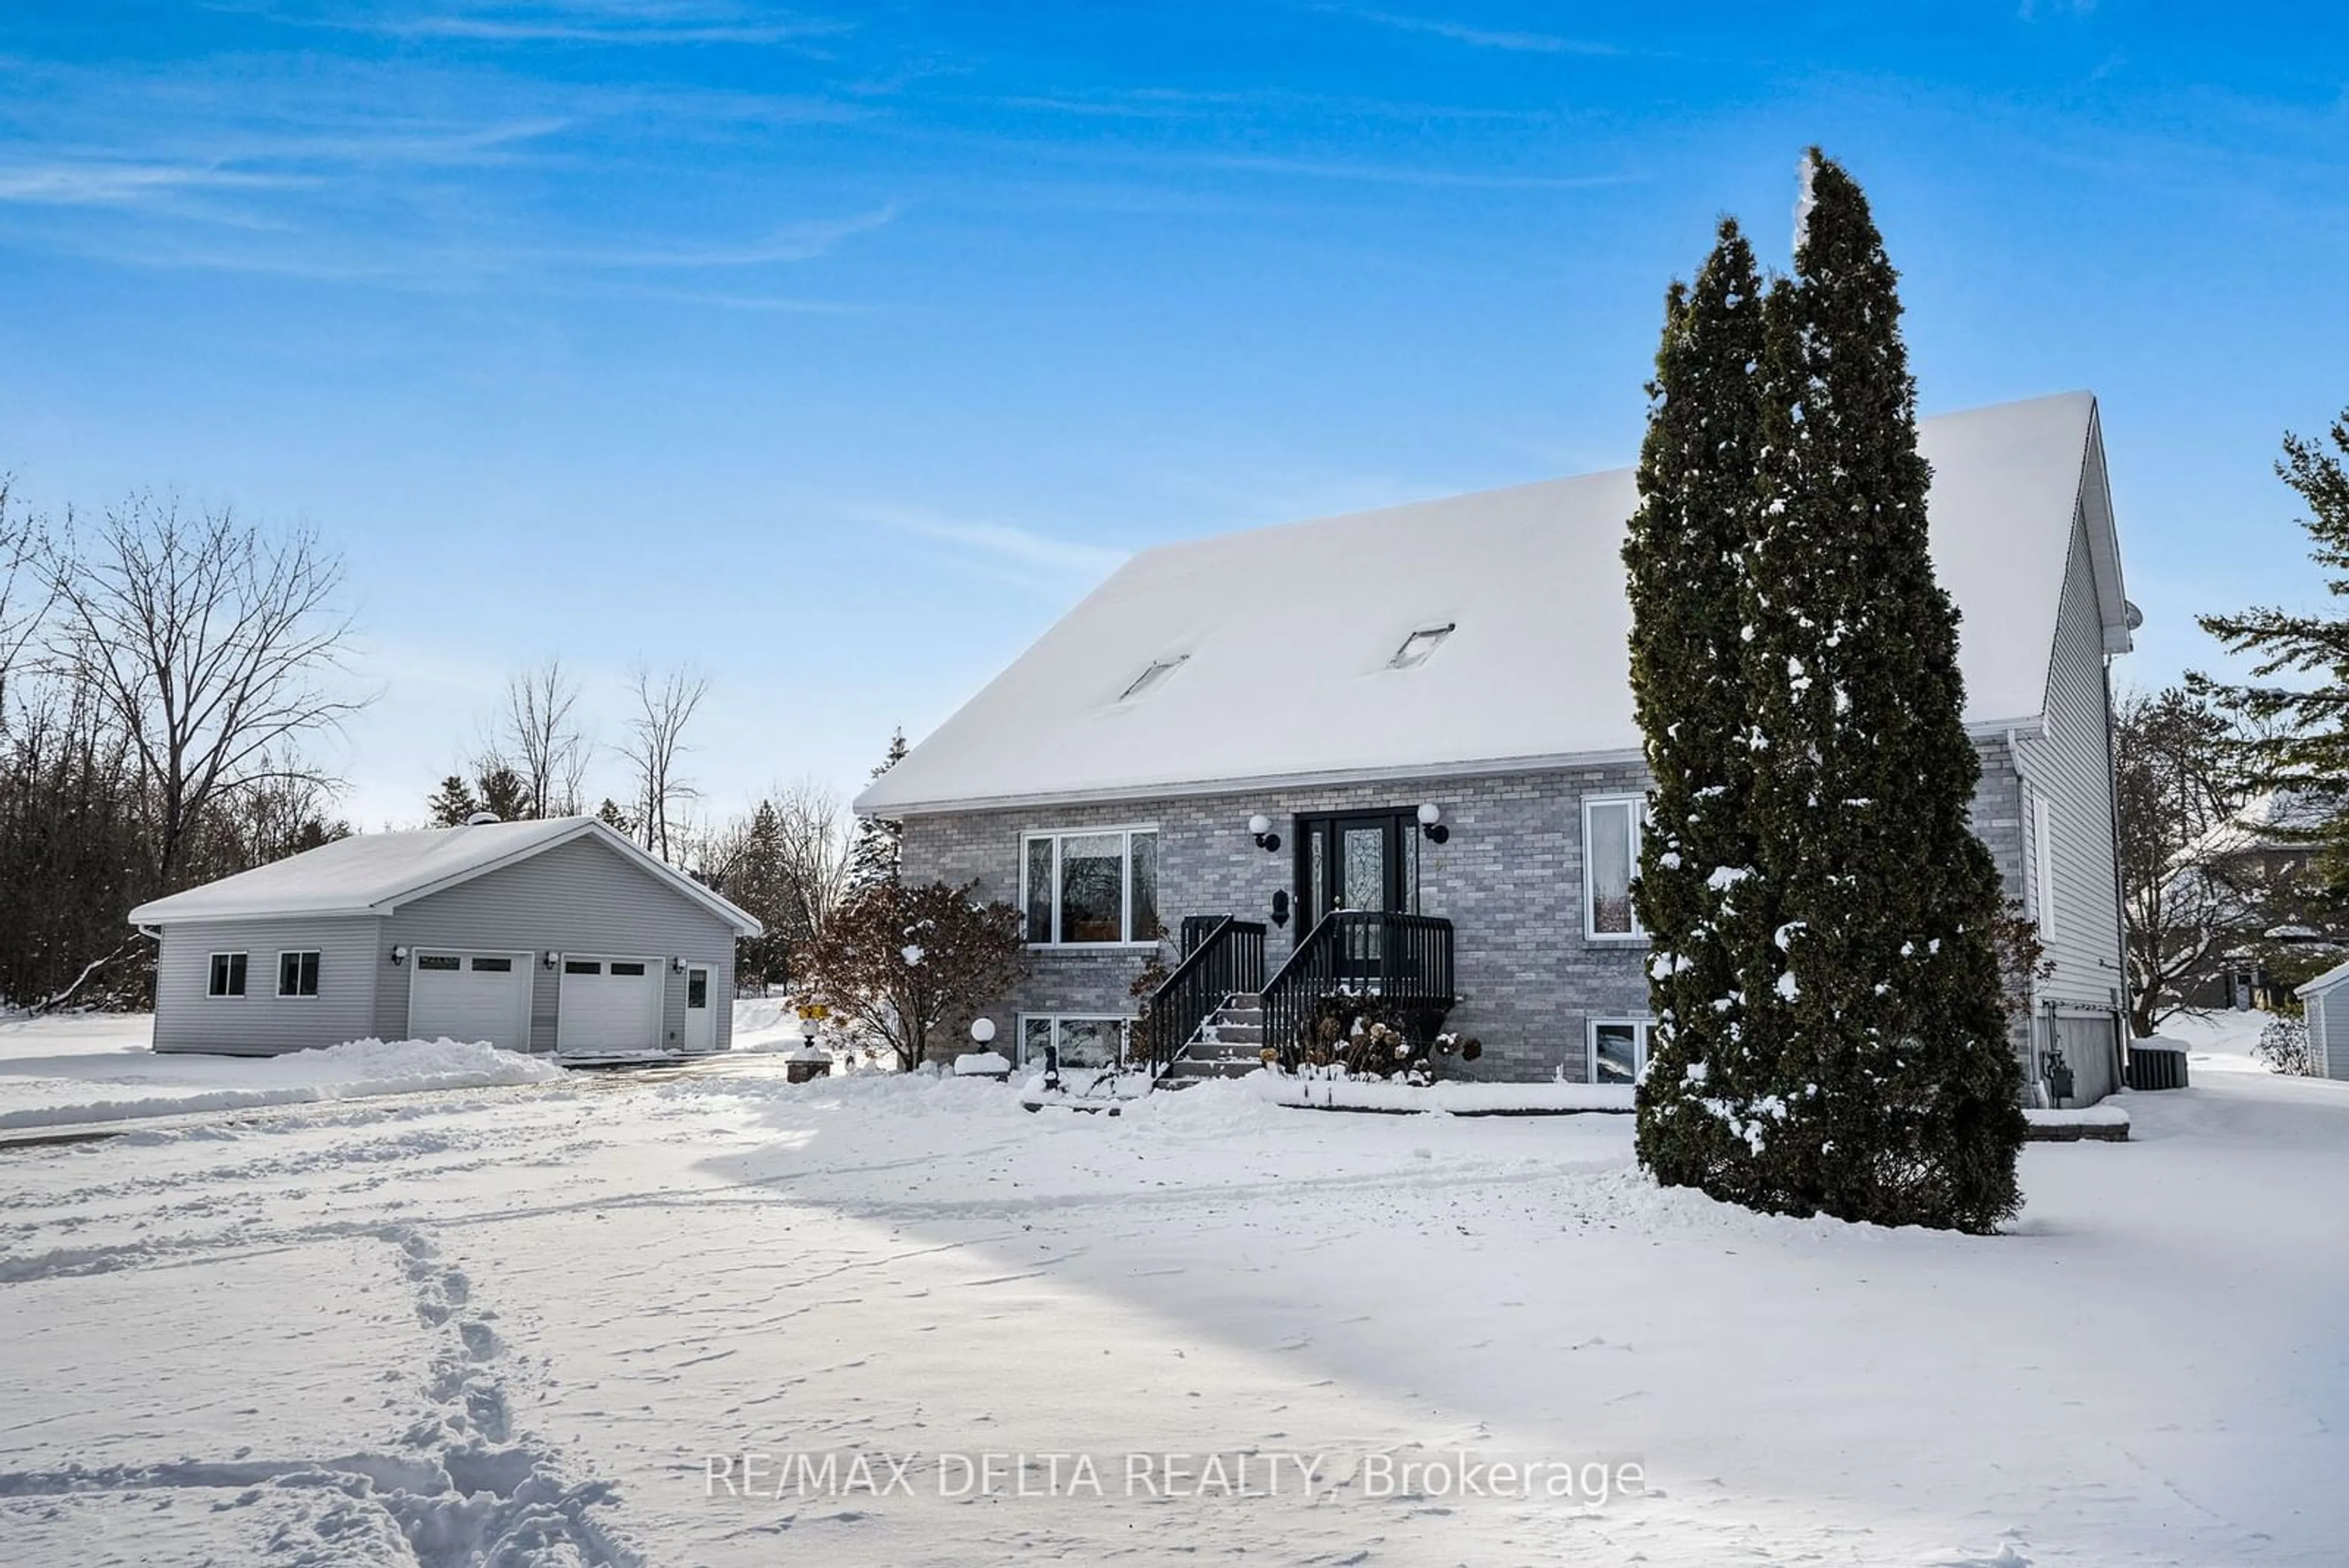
x=1510, y=880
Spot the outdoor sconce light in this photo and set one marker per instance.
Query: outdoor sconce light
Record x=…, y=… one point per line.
x=982, y=1032
x=1430, y=822
x=1260, y=825
x=553, y=959
x=400, y=954
x=1279, y=906
x=676, y=966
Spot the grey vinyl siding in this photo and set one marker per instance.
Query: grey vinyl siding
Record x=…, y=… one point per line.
x=2069, y=765
x=261, y=1023
x=580, y=897
x=2328, y=1033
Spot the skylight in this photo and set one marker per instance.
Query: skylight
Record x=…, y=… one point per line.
x=1159, y=670
x=1419, y=645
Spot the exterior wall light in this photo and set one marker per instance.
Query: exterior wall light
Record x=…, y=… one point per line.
x=554, y=960
x=676, y=966
x=400, y=954
x=1430, y=822
x=1261, y=826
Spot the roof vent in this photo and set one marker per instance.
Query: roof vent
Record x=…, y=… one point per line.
x=483, y=819
x=1159, y=670
x=1419, y=645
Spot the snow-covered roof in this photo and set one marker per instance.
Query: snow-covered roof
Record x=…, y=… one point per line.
x=374, y=873
x=2325, y=981
x=1283, y=641
x=2272, y=819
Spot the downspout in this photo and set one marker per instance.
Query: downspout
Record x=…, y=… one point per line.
x=2120, y=884
x=2026, y=823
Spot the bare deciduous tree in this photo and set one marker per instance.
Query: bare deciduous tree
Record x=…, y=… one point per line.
x=654, y=746
x=547, y=748
x=211, y=644
x=24, y=594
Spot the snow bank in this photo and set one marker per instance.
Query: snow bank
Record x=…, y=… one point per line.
x=2101, y=1116
x=1458, y=1098
x=64, y=1090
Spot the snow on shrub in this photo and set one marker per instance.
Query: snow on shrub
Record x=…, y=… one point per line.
x=2283, y=1047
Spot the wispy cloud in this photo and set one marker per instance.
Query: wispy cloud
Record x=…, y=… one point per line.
x=999, y=542
x=598, y=22
x=801, y=241
x=1406, y=174
x=101, y=182
x=1489, y=37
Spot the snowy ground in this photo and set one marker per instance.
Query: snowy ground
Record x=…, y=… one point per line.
x=81, y=1069
x=397, y=1330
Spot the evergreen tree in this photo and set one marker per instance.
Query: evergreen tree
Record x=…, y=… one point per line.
x=1874, y=1003
x=880, y=840
x=2300, y=732
x=503, y=791
x=610, y=814
x=1698, y=507
x=452, y=803
x=759, y=883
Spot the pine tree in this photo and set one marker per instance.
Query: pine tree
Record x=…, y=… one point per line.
x=880, y=840
x=1698, y=508
x=1876, y=1004
x=452, y=803
x=503, y=791
x=2300, y=730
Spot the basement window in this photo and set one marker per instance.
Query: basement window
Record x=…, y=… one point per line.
x=1419, y=645
x=1159, y=670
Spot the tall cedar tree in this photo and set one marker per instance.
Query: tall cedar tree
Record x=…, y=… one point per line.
x=2302, y=731
x=1698, y=507
x=1875, y=1007
x=880, y=840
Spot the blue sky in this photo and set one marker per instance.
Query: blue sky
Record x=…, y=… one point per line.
x=836, y=351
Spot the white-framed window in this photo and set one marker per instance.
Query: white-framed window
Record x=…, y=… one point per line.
x=2043, y=849
x=1611, y=826
x=1619, y=1050
x=227, y=975
x=1083, y=1041
x=297, y=973
x=1094, y=886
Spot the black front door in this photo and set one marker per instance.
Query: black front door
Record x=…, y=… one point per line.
x=1366, y=860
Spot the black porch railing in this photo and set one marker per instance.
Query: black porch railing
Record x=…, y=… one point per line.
x=1222, y=955
x=1405, y=960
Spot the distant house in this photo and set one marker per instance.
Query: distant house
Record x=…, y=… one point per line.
x=558, y=936
x=2256, y=875
x=1400, y=746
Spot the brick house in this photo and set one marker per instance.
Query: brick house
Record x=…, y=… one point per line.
x=1396, y=750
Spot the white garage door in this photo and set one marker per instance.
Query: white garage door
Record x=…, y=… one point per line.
x=470, y=996
x=609, y=1006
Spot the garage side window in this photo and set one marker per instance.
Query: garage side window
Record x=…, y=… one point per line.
x=227, y=976
x=298, y=974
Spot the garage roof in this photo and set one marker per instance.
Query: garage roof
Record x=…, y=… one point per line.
x=376, y=873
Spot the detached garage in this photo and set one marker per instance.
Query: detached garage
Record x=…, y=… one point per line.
x=559, y=937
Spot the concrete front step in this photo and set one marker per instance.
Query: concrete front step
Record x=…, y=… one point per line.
x=1215, y=1034
x=1193, y=1069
